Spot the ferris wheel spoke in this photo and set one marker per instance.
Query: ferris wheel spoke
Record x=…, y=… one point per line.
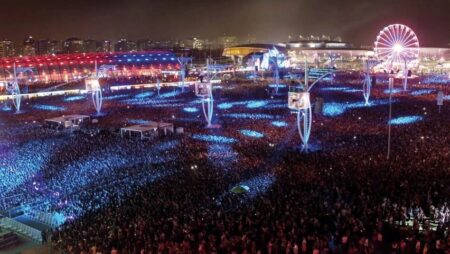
x=385, y=44
x=392, y=37
x=385, y=41
x=404, y=34
x=411, y=42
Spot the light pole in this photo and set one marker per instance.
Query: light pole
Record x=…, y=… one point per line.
x=391, y=84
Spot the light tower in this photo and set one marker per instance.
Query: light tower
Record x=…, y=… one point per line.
x=204, y=91
x=93, y=85
x=13, y=86
x=183, y=61
x=14, y=90
x=274, y=58
x=367, y=84
x=299, y=100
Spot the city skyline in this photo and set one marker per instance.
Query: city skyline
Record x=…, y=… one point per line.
x=265, y=20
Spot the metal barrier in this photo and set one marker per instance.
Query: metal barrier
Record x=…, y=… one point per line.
x=53, y=220
x=21, y=228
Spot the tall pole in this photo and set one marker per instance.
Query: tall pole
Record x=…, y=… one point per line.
x=405, y=75
x=391, y=84
x=306, y=75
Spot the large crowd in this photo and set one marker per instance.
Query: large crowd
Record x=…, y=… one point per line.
x=172, y=195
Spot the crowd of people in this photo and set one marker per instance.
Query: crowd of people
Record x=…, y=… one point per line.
x=172, y=195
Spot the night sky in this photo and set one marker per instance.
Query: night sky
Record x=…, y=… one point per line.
x=357, y=21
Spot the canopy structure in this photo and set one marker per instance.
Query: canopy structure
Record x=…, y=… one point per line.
x=145, y=130
x=68, y=121
x=70, y=67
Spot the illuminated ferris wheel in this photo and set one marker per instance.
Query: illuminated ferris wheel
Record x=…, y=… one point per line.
x=397, y=44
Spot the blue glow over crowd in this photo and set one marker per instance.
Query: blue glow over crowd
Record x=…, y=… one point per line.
x=174, y=193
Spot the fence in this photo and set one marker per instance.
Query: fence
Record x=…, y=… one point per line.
x=53, y=220
x=21, y=228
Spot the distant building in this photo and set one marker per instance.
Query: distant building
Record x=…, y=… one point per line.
x=74, y=45
x=55, y=47
x=29, y=46
x=226, y=42
x=7, y=48
x=165, y=44
x=90, y=46
x=104, y=46
x=124, y=45
x=195, y=43
x=144, y=45
x=42, y=47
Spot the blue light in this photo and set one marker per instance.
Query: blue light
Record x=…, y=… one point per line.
x=353, y=91
x=249, y=116
x=258, y=185
x=340, y=88
x=155, y=101
x=421, y=92
x=256, y=104
x=170, y=94
x=138, y=121
x=252, y=134
x=394, y=91
x=275, y=86
x=437, y=79
x=6, y=108
x=214, y=138
x=333, y=109
x=279, y=123
x=75, y=98
x=48, y=107
x=405, y=120
x=144, y=95
x=225, y=105
x=190, y=110
x=221, y=155
x=115, y=97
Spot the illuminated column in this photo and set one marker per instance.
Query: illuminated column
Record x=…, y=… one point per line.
x=93, y=85
x=204, y=90
x=97, y=99
x=208, y=108
x=304, y=124
x=15, y=91
x=367, y=83
x=391, y=84
x=158, y=85
x=276, y=78
x=183, y=61
x=366, y=88
x=405, y=75
x=299, y=101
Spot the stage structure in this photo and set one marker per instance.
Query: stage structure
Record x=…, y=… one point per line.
x=299, y=100
x=183, y=61
x=93, y=86
x=398, y=46
x=367, y=84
